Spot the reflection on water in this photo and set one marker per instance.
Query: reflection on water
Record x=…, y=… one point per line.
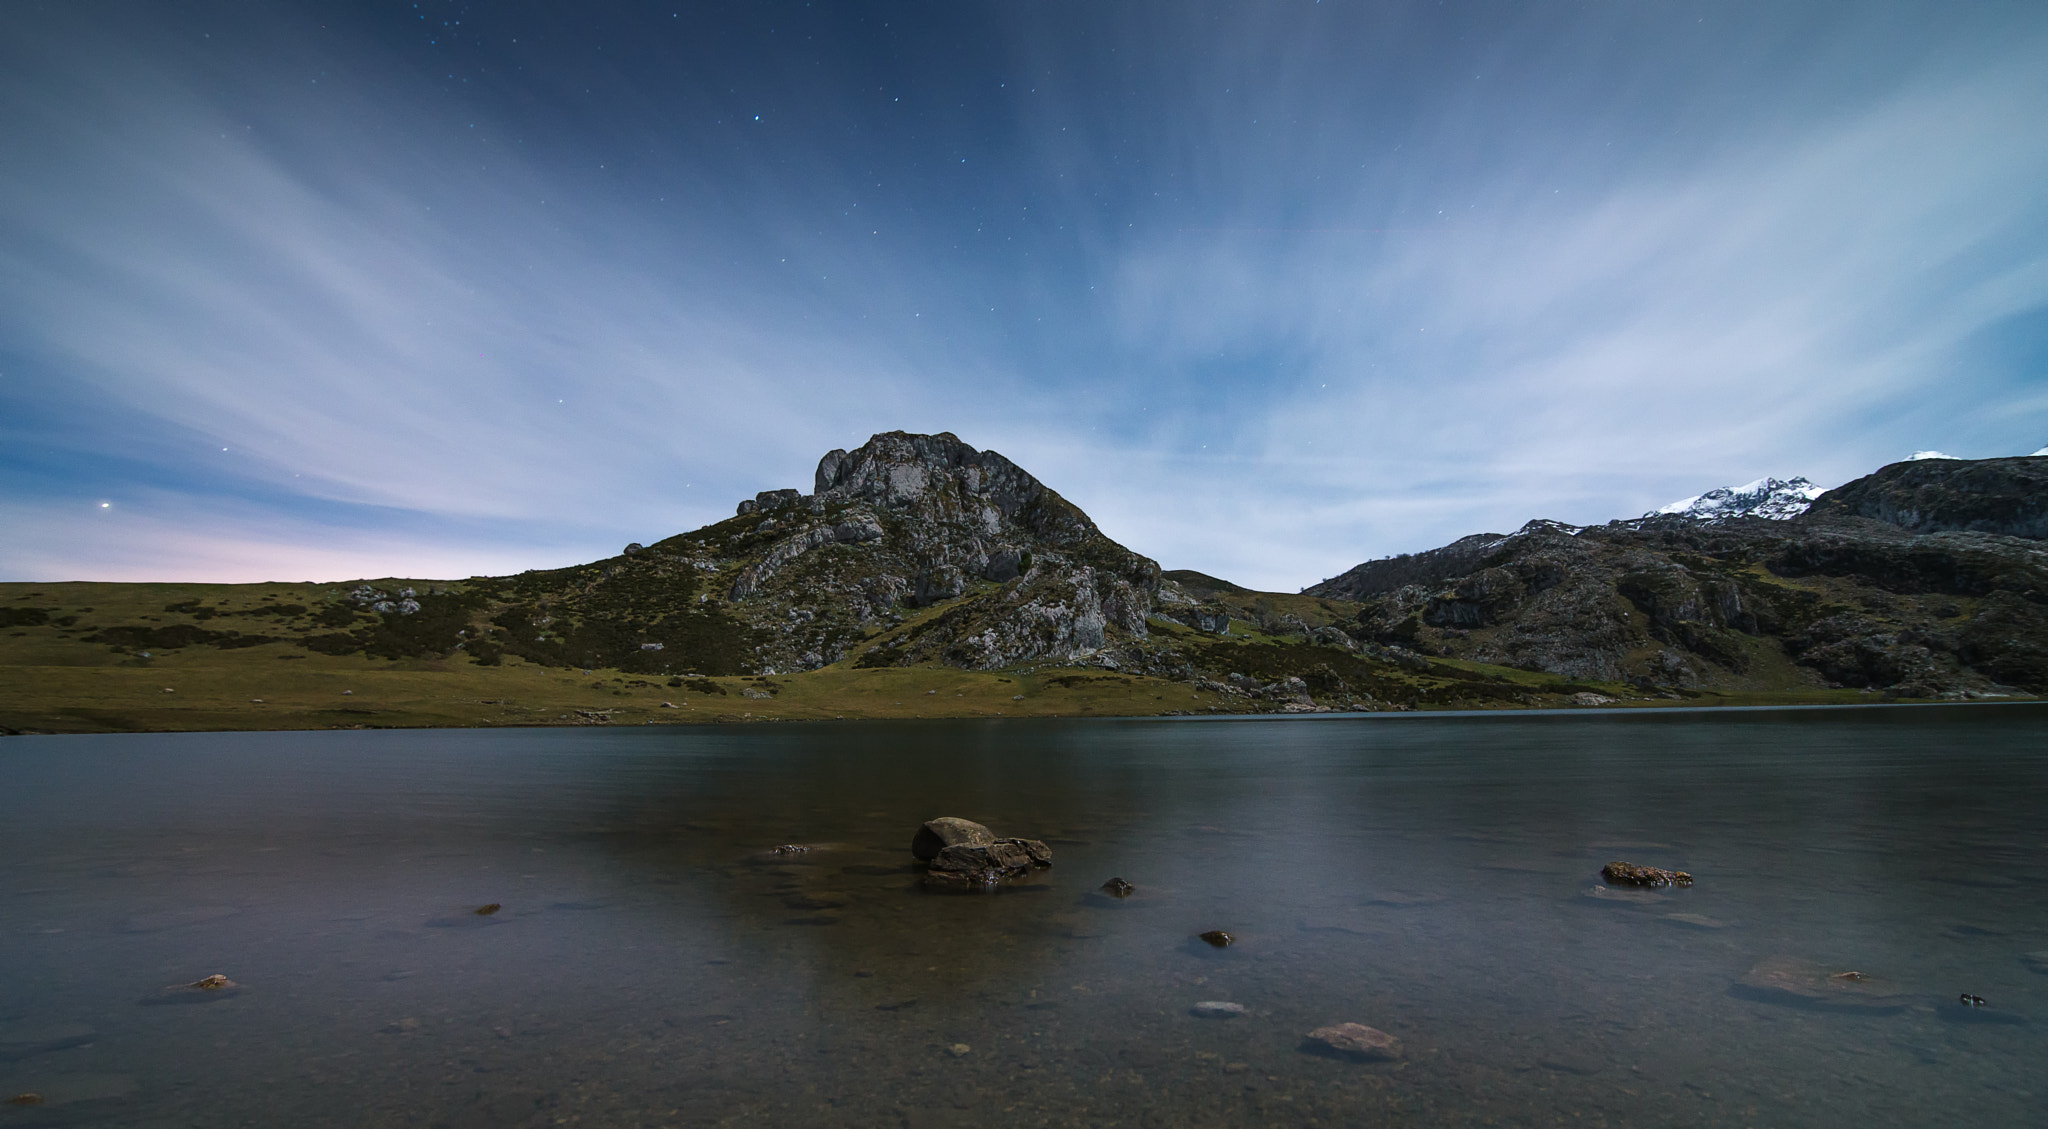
x=654, y=962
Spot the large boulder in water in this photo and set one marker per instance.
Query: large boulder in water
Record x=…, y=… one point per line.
x=964, y=853
x=948, y=831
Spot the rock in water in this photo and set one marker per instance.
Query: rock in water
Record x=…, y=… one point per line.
x=1040, y=854
x=948, y=831
x=964, y=853
x=1217, y=1009
x=203, y=990
x=1629, y=874
x=1218, y=938
x=1358, y=1041
x=1118, y=888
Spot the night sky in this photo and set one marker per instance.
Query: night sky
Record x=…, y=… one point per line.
x=317, y=291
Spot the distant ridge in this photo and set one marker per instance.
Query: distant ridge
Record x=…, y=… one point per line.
x=1926, y=578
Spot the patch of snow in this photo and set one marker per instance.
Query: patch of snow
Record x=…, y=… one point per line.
x=2042, y=453
x=1776, y=499
x=1918, y=455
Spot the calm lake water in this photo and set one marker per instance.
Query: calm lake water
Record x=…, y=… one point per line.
x=653, y=963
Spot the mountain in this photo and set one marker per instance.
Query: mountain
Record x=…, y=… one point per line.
x=917, y=565
x=912, y=521
x=1925, y=578
x=795, y=581
x=1771, y=498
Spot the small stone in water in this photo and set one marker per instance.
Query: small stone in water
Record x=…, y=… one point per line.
x=959, y=1050
x=791, y=849
x=1218, y=938
x=486, y=911
x=1118, y=888
x=1217, y=1009
x=30, y=1098
x=1357, y=1040
x=214, y=983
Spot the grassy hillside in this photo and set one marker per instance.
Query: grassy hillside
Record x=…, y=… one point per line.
x=136, y=657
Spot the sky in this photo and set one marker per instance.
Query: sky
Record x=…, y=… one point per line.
x=306, y=291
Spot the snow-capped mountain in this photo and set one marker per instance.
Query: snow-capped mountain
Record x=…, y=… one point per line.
x=1777, y=499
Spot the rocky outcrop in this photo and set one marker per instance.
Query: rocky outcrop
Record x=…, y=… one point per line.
x=2003, y=496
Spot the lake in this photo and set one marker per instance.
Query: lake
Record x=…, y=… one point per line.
x=653, y=962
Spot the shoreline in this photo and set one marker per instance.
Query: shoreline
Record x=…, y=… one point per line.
x=282, y=721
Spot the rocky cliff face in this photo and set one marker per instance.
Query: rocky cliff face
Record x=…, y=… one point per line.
x=1907, y=581
x=910, y=521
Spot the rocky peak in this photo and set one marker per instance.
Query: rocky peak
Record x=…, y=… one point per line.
x=912, y=521
x=1772, y=498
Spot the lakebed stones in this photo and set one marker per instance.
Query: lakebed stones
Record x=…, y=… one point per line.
x=964, y=854
x=1802, y=983
x=1629, y=874
x=1355, y=1041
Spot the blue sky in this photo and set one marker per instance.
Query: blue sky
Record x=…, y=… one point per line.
x=305, y=291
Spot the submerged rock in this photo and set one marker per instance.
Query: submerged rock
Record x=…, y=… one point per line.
x=1628, y=896
x=1357, y=1041
x=22, y=1040
x=1793, y=980
x=1217, y=1009
x=1118, y=888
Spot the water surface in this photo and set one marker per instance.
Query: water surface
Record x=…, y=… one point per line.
x=654, y=963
